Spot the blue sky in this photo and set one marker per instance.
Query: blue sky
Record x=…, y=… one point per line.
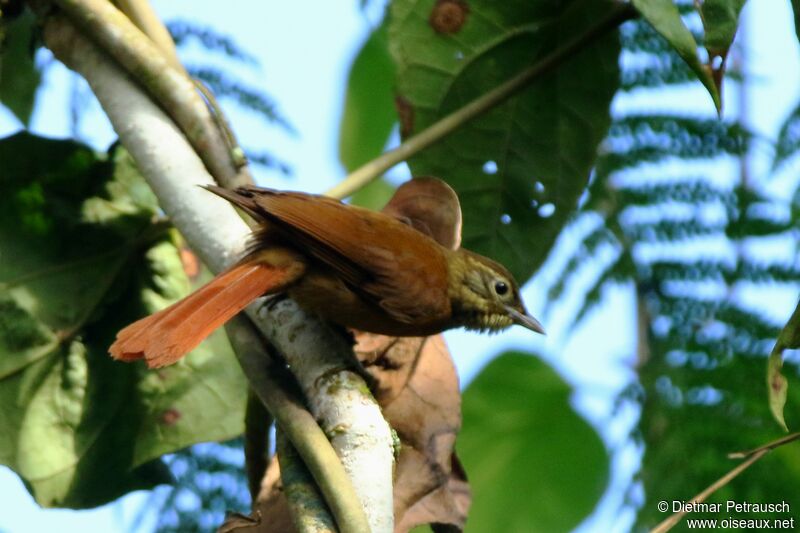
x=304, y=58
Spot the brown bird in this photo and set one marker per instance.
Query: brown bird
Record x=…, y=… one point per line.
x=398, y=273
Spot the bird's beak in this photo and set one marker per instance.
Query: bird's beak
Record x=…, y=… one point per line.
x=525, y=320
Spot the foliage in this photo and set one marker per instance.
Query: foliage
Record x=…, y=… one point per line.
x=209, y=482
x=533, y=463
x=368, y=116
x=684, y=240
x=183, y=32
x=19, y=76
x=788, y=139
x=88, y=258
x=90, y=255
x=664, y=17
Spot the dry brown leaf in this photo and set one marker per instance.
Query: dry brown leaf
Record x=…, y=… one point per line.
x=430, y=206
x=270, y=513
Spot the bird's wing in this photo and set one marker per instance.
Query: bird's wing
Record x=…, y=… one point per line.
x=408, y=281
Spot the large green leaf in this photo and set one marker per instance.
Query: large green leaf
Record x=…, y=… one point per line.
x=520, y=169
x=19, y=77
x=368, y=115
x=82, y=257
x=796, y=9
x=533, y=464
x=663, y=15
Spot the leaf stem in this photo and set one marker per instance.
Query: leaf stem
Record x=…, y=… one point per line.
x=435, y=132
x=257, y=421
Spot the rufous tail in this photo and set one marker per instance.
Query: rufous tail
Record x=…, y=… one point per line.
x=164, y=337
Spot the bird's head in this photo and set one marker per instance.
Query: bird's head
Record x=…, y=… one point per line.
x=484, y=294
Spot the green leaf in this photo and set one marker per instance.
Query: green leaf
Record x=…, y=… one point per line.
x=776, y=382
x=532, y=462
x=720, y=20
x=663, y=15
x=519, y=169
x=796, y=9
x=200, y=399
x=369, y=114
x=19, y=77
x=84, y=258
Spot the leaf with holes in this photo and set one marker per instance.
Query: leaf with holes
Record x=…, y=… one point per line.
x=519, y=169
x=84, y=258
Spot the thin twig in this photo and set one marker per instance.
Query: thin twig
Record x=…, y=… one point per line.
x=435, y=132
x=769, y=446
x=752, y=456
x=144, y=17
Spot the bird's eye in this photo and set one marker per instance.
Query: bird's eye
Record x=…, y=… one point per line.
x=500, y=288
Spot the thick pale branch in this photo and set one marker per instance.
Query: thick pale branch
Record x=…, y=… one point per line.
x=360, y=429
x=217, y=234
x=297, y=425
x=168, y=85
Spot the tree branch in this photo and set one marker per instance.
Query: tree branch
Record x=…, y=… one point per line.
x=145, y=18
x=435, y=132
x=297, y=424
x=218, y=234
x=168, y=85
x=307, y=508
x=360, y=436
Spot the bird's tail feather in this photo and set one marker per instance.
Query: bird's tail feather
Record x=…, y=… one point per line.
x=164, y=337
